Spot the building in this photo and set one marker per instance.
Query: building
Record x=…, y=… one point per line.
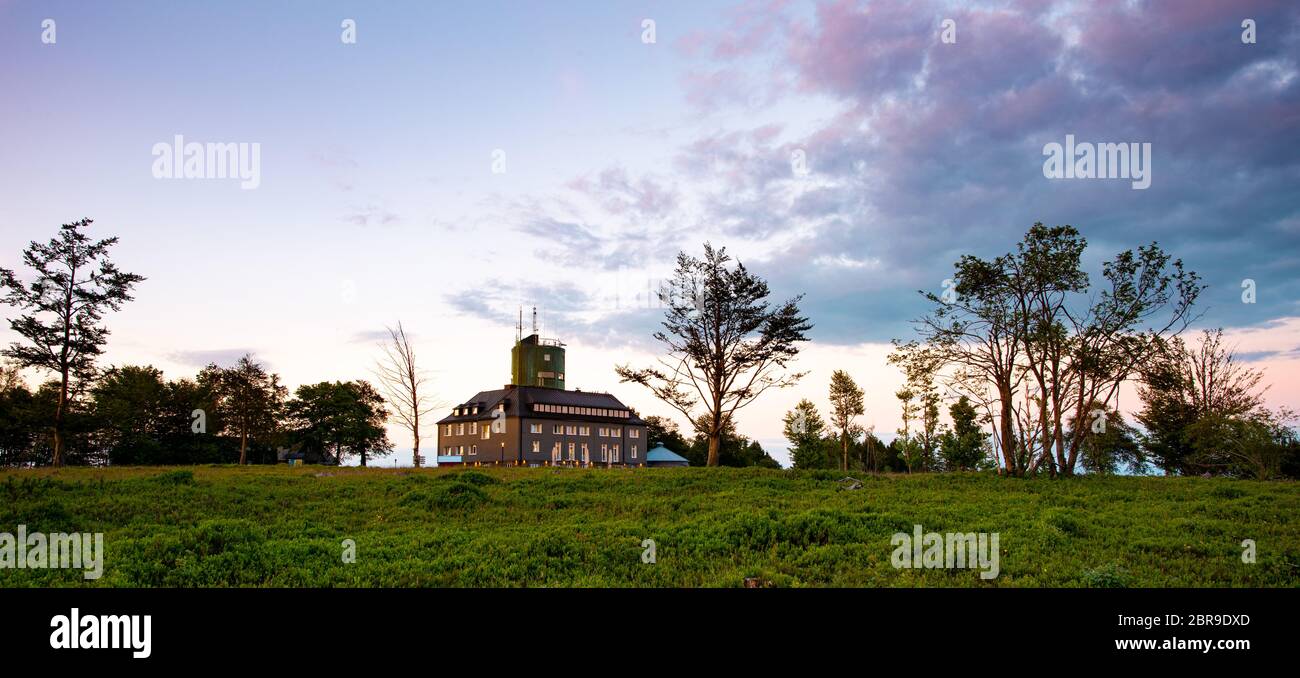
x=534, y=421
x=661, y=457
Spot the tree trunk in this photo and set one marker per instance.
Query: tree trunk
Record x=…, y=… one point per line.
x=57, y=459
x=1008, y=431
x=715, y=443
x=243, y=449
x=844, y=445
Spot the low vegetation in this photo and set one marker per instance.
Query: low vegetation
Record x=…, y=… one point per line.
x=216, y=526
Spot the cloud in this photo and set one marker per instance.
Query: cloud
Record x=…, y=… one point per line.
x=370, y=215
x=923, y=151
x=222, y=357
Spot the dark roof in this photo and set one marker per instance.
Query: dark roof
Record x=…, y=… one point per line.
x=519, y=401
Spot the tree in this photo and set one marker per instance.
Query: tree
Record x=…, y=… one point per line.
x=1182, y=385
x=846, y=405
x=1255, y=445
x=249, y=400
x=16, y=424
x=804, y=427
x=735, y=450
x=965, y=447
x=74, y=285
x=664, y=431
x=345, y=417
x=128, y=407
x=1032, y=319
x=403, y=386
x=726, y=344
x=1109, y=443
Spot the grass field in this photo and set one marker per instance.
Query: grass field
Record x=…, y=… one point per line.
x=263, y=526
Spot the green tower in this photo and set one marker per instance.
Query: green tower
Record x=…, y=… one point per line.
x=537, y=362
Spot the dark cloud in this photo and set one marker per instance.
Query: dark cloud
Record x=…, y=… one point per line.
x=934, y=150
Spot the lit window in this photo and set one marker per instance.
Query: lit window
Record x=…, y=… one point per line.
x=586, y=458
x=537, y=446
x=487, y=432
x=570, y=430
x=558, y=429
x=555, y=452
x=534, y=428
x=616, y=431
x=546, y=357
x=584, y=430
x=572, y=448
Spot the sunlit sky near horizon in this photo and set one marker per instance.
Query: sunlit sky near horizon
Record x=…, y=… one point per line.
x=378, y=201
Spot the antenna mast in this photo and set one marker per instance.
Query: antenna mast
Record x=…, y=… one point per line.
x=534, y=320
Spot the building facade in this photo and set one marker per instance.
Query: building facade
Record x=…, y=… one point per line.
x=536, y=422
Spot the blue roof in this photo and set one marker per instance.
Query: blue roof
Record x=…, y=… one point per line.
x=661, y=453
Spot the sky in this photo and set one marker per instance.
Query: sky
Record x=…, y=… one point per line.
x=456, y=161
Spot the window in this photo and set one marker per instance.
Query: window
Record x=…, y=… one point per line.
x=473, y=428
x=555, y=453
x=558, y=429
x=534, y=428
x=460, y=449
x=616, y=431
x=546, y=357
x=537, y=446
x=613, y=452
x=634, y=433
x=447, y=430
x=602, y=432
x=570, y=430
x=586, y=458
x=632, y=451
x=450, y=450
x=584, y=430
x=487, y=433
x=572, y=447
x=604, y=452
x=473, y=450
x=460, y=429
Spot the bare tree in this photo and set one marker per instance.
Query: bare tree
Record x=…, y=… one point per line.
x=403, y=385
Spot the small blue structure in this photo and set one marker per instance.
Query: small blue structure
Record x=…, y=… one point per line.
x=660, y=456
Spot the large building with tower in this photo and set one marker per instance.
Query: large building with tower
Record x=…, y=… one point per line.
x=534, y=421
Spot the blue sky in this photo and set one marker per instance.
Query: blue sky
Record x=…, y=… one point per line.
x=378, y=202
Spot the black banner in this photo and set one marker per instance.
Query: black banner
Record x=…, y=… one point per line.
x=306, y=627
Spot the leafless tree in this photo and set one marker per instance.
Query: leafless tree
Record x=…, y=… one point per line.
x=404, y=385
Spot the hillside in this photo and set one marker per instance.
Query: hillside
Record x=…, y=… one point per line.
x=269, y=526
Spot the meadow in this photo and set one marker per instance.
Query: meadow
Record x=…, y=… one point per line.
x=223, y=526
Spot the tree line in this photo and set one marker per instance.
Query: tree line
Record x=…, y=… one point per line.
x=130, y=414
x=1024, y=352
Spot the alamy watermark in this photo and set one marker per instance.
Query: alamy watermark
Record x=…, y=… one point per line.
x=56, y=550
x=1086, y=160
x=935, y=550
x=193, y=160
